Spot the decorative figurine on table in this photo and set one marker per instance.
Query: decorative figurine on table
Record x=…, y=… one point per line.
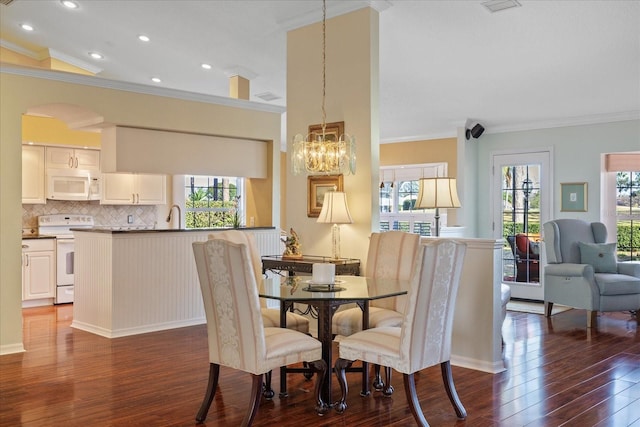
x=292, y=246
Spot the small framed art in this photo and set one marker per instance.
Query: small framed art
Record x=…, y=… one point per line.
x=573, y=197
x=318, y=186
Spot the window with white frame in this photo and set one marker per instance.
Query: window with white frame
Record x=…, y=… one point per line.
x=213, y=201
x=626, y=167
x=399, y=187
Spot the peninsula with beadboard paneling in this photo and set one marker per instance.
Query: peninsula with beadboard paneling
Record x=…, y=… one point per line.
x=130, y=282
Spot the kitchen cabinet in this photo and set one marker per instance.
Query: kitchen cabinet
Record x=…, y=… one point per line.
x=73, y=158
x=133, y=189
x=33, y=182
x=38, y=269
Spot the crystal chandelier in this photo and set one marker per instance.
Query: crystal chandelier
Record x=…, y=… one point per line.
x=322, y=153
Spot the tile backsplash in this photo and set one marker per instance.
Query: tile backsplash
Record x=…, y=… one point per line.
x=104, y=215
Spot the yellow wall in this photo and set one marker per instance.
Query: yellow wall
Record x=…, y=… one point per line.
x=419, y=152
x=19, y=93
x=46, y=130
x=10, y=57
x=351, y=96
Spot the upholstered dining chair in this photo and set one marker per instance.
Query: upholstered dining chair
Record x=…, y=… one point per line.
x=424, y=339
x=270, y=316
x=391, y=255
x=583, y=272
x=236, y=333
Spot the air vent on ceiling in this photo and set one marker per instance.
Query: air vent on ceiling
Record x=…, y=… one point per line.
x=267, y=96
x=6, y=2
x=498, y=5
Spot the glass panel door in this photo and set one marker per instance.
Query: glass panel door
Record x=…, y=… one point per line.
x=521, y=205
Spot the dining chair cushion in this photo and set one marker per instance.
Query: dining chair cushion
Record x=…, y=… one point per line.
x=350, y=321
x=271, y=319
x=285, y=347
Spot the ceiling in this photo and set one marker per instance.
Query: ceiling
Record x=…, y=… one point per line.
x=443, y=64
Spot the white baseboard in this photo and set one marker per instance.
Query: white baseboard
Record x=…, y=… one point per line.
x=11, y=349
x=108, y=333
x=478, y=365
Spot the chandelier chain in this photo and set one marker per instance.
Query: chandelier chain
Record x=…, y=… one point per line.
x=331, y=154
x=324, y=64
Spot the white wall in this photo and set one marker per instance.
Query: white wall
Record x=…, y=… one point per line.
x=577, y=150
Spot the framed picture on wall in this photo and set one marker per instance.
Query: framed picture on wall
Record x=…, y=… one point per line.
x=317, y=187
x=573, y=197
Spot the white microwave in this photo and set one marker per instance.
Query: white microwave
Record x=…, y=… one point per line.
x=64, y=184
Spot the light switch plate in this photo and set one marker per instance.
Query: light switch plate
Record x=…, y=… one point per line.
x=130, y=219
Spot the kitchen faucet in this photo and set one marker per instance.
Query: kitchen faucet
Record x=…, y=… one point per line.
x=179, y=215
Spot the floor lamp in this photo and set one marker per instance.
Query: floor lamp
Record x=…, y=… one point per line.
x=437, y=193
x=335, y=211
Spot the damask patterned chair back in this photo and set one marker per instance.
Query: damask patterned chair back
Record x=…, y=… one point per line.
x=391, y=256
x=237, y=236
x=426, y=330
x=230, y=295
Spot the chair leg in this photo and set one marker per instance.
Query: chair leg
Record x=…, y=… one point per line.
x=447, y=378
x=214, y=374
x=320, y=368
x=378, y=385
x=548, y=308
x=388, y=388
x=412, y=400
x=340, y=367
x=267, y=391
x=591, y=318
x=256, y=394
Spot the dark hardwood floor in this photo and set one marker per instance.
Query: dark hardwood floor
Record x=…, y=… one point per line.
x=559, y=374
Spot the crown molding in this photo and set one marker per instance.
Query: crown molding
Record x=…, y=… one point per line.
x=73, y=61
x=139, y=88
x=527, y=126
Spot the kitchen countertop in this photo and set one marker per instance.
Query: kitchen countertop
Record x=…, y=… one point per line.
x=119, y=230
x=37, y=236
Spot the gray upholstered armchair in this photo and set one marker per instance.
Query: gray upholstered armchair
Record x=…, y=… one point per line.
x=583, y=271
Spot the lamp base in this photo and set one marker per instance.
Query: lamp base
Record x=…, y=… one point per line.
x=335, y=241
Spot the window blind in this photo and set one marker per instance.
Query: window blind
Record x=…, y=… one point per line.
x=622, y=162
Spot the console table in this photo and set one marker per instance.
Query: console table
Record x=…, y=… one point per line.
x=344, y=266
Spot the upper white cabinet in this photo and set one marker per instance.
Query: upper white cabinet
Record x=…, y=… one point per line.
x=133, y=189
x=33, y=174
x=73, y=158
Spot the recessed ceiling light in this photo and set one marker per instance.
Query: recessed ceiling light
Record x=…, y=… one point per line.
x=498, y=5
x=143, y=38
x=206, y=66
x=156, y=80
x=26, y=27
x=70, y=4
x=96, y=55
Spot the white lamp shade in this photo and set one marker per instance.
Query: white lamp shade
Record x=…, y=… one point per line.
x=335, y=209
x=438, y=193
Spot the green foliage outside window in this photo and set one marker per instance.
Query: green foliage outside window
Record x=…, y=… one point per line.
x=214, y=214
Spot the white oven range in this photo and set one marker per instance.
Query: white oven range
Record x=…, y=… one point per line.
x=60, y=225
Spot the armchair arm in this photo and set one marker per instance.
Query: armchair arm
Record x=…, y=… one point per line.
x=569, y=270
x=629, y=268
